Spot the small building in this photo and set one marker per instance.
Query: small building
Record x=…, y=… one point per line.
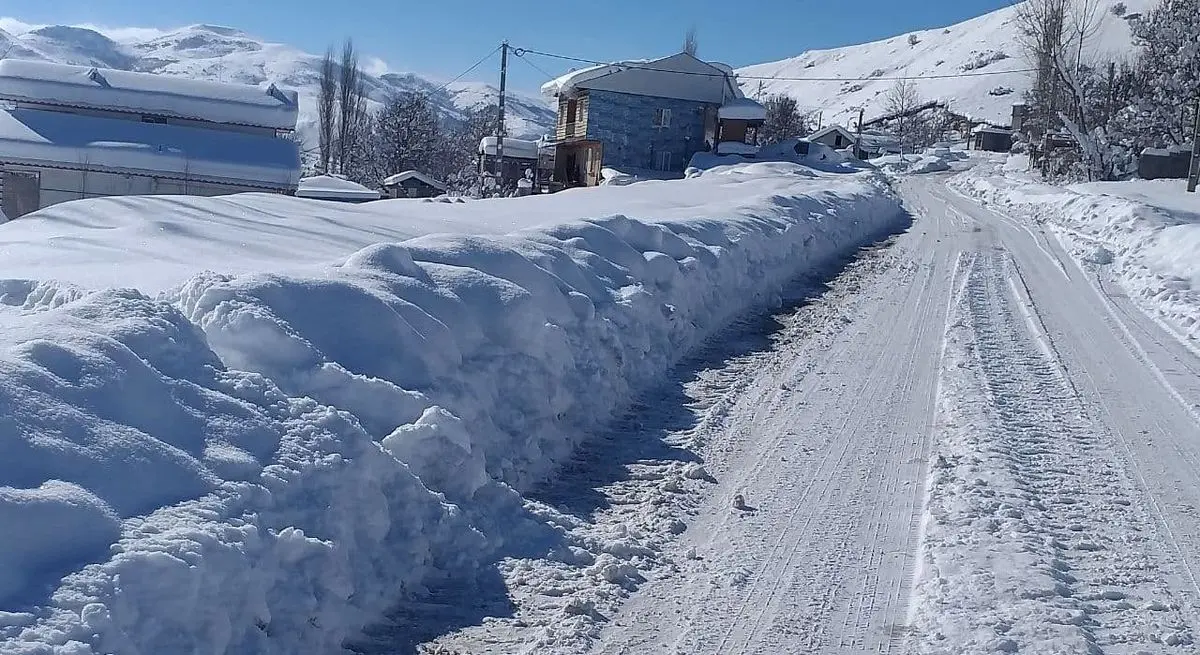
x=412, y=184
x=992, y=138
x=834, y=136
x=739, y=121
x=1172, y=163
x=336, y=189
x=73, y=132
x=520, y=155
x=645, y=116
x=877, y=144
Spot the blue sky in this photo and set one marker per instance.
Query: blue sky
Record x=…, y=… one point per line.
x=443, y=37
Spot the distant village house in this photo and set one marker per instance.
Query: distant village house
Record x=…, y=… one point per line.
x=520, y=159
x=647, y=117
x=412, y=184
x=992, y=138
x=71, y=132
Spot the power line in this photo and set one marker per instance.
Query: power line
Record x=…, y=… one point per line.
x=521, y=55
x=468, y=71
x=523, y=51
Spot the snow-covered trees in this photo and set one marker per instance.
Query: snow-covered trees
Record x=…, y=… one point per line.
x=784, y=120
x=408, y=135
x=1169, y=61
x=690, y=43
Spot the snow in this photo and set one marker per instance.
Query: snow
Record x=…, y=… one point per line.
x=676, y=76
x=35, y=137
x=393, y=180
x=266, y=457
x=1150, y=229
x=736, y=148
x=744, y=109
x=328, y=187
x=986, y=44
x=516, y=148
x=567, y=82
x=912, y=164
x=145, y=93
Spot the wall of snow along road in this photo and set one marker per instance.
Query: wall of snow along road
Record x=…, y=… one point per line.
x=1145, y=233
x=266, y=462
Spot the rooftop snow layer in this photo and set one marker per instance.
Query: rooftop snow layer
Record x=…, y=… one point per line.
x=744, y=109
x=146, y=93
x=393, y=180
x=677, y=76
x=328, y=187
x=30, y=136
x=517, y=148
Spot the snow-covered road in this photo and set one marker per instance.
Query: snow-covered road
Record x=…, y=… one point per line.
x=967, y=444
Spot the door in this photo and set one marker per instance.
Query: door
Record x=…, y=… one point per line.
x=22, y=193
x=594, y=158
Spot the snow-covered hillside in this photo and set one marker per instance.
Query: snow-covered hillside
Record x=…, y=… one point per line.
x=224, y=54
x=984, y=44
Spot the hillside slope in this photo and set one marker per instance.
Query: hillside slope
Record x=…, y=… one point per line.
x=984, y=44
x=224, y=54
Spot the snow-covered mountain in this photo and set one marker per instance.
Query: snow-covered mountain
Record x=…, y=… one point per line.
x=224, y=54
x=984, y=44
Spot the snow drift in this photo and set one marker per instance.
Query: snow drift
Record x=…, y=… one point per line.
x=266, y=461
x=1146, y=233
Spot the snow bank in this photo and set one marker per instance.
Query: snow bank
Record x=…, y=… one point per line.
x=1145, y=233
x=264, y=462
x=912, y=164
x=328, y=187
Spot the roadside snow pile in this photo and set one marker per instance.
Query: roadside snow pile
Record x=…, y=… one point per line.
x=912, y=164
x=265, y=462
x=813, y=155
x=1147, y=233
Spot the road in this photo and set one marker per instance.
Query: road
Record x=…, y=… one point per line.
x=965, y=444
x=993, y=423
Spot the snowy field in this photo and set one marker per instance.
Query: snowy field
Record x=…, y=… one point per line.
x=1142, y=234
x=255, y=424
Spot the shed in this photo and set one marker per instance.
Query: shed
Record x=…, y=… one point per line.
x=992, y=138
x=337, y=189
x=834, y=136
x=1164, y=163
x=520, y=155
x=412, y=184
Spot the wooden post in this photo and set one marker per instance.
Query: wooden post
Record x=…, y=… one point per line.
x=1194, y=173
x=500, y=126
x=858, y=134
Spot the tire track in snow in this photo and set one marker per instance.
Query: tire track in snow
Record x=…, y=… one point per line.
x=1036, y=539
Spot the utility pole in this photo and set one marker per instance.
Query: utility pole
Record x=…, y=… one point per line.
x=500, y=126
x=858, y=134
x=1194, y=174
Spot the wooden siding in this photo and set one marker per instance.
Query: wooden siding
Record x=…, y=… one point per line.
x=578, y=129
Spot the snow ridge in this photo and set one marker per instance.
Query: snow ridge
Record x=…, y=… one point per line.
x=268, y=462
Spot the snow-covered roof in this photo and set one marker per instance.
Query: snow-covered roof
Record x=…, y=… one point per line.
x=515, y=148
x=328, y=187
x=990, y=129
x=816, y=136
x=393, y=180
x=680, y=76
x=48, y=138
x=146, y=93
x=742, y=109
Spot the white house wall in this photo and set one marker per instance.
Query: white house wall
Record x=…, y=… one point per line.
x=62, y=185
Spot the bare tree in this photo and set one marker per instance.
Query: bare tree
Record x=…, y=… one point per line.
x=784, y=120
x=326, y=111
x=351, y=96
x=690, y=44
x=900, y=101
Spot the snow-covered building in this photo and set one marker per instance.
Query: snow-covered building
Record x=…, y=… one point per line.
x=412, y=184
x=992, y=138
x=519, y=156
x=645, y=115
x=337, y=189
x=834, y=136
x=72, y=132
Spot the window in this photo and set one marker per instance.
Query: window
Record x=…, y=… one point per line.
x=662, y=117
x=662, y=160
x=572, y=110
